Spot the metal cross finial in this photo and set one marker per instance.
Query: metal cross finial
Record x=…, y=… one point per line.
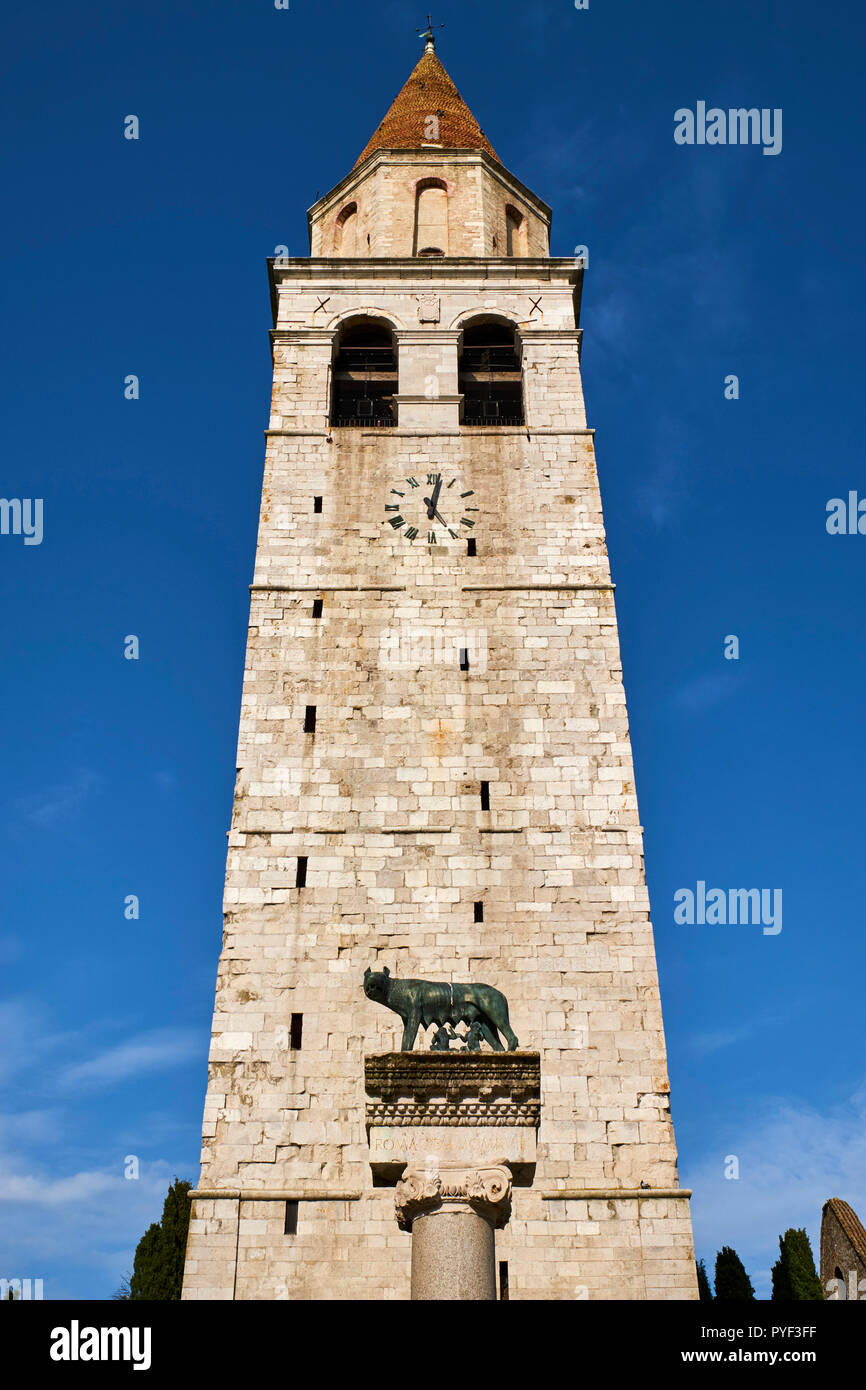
x=428, y=34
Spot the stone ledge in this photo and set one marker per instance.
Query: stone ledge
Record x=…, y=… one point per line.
x=595, y=1194
x=418, y=1082
x=255, y=1194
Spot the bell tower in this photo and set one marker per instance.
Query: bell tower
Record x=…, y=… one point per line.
x=434, y=772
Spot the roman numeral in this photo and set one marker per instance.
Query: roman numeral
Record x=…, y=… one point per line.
x=432, y=478
x=396, y=493
x=431, y=537
x=396, y=522
x=470, y=493
x=392, y=506
x=413, y=482
x=411, y=533
x=453, y=481
x=464, y=521
x=451, y=533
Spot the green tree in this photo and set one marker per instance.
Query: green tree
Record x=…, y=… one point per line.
x=704, y=1290
x=732, y=1282
x=145, y=1266
x=157, y=1272
x=794, y=1276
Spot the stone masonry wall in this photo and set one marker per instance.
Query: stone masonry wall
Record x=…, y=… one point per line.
x=384, y=802
x=479, y=190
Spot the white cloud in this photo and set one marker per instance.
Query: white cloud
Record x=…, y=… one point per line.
x=792, y=1158
x=706, y=691
x=75, y=1224
x=31, y=1127
x=80, y=1187
x=715, y=1040
x=27, y=1036
x=77, y=1232
x=59, y=803
x=152, y=1051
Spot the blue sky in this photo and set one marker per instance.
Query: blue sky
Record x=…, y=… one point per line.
x=148, y=257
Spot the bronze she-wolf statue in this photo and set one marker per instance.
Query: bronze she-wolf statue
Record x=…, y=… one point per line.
x=424, y=1002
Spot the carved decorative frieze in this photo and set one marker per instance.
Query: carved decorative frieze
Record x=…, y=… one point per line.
x=461, y=1088
x=441, y=1112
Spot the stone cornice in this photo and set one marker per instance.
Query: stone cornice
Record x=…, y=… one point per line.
x=330, y=270
x=460, y=1088
x=290, y=333
x=570, y=335
x=398, y=433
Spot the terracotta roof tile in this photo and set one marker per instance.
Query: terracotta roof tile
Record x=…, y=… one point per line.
x=428, y=92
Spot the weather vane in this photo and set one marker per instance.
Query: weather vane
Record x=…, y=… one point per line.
x=428, y=32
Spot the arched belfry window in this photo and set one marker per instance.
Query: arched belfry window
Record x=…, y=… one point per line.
x=365, y=375
x=346, y=238
x=490, y=376
x=515, y=232
x=431, y=218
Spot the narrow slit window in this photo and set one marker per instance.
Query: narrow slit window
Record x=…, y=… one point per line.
x=503, y=1281
x=470, y=546
x=346, y=231
x=515, y=232
x=317, y=608
x=310, y=719
x=291, y=1226
x=431, y=218
x=296, y=1032
x=479, y=912
x=485, y=796
x=301, y=872
x=317, y=504
x=464, y=658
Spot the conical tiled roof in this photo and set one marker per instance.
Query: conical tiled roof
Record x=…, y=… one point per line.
x=428, y=92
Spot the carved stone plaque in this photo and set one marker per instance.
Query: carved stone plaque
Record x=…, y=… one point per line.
x=428, y=308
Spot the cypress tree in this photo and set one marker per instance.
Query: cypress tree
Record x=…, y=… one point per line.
x=175, y=1227
x=704, y=1291
x=157, y=1273
x=794, y=1276
x=732, y=1282
x=146, y=1264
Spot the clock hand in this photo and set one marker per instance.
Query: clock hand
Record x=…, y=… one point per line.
x=432, y=501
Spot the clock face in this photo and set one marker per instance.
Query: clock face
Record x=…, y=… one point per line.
x=434, y=509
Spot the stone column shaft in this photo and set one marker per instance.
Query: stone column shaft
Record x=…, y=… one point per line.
x=453, y=1212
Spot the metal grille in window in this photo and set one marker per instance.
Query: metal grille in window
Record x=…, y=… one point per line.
x=365, y=377
x=490, y=375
